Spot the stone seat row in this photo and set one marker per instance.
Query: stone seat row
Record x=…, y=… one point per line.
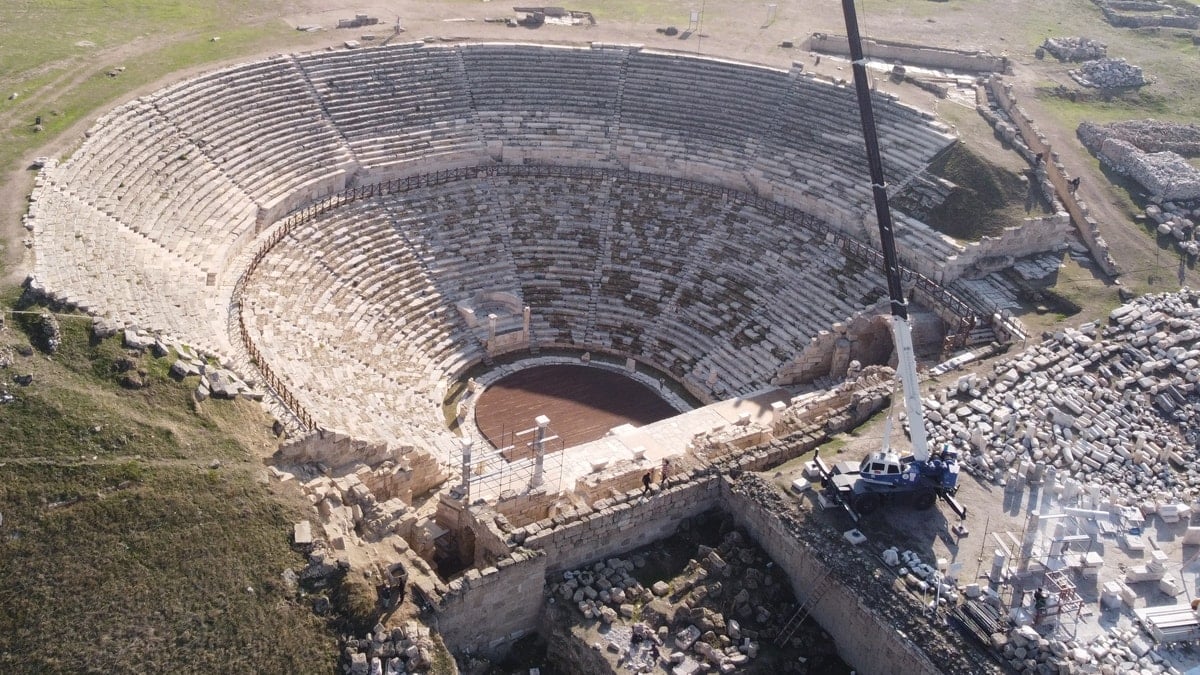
x=264, y=126
x=106, y=270
x=262, y=131
x=555, y=280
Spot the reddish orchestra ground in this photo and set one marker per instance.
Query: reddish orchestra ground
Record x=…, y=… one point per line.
x=582, y=403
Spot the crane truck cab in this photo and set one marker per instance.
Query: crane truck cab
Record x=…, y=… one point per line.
x=886, y=476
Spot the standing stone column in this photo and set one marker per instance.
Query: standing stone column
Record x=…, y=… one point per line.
x=539, y=450
x=466, y=469
x=492, y=328
x=1032, y=527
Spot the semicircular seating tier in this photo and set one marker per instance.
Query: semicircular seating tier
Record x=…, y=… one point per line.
x=156, y=217
x=356, y=308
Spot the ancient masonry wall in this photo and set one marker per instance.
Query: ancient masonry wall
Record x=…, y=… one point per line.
x=488, y=609
x=495, y=606
x=910, y=54
x=864, y=639
x=620, y=527
x=312, y=190
x=1033, y=236
x=389, y=469
x=1088, y=228
x=829, y=352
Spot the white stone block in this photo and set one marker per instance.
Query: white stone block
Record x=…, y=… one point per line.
x=1169, y=586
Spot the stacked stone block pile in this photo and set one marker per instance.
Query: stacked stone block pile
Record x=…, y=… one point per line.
x=1114, y=406
x=1120, y=650
x=1165, y=175
x=1149, y=135
x=390, y=651
x=1109, y=74
x=1152, y=153
x=1075, y=48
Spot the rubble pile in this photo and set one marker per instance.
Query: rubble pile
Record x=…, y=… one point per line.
x=407, y=649
x=602, y=590
x=1121, y=650
x=1115, y=407
x=921, y=577
x=1075, y=48
x=1165, y=175
x=48, y=334
x=711, y=618
x=1179, y=221
x=215, y=381
x=1108, y=74
x=1148, y=135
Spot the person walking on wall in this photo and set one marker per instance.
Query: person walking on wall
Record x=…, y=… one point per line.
x=646, y=483
x=666, y=471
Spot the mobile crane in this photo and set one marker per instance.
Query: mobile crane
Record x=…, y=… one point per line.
x=886, y=475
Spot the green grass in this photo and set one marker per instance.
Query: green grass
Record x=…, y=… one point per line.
x=148, y=571
x=64, y=83
x=1094, y=107
x=61, y=110
x=145, y=553
x=105, y=24
x=76, y=406
x=988, y=198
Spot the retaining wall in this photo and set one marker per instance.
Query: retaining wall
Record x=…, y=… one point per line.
x=485, y=610
x=1033, y=236
x=1088, y=228
x=621, y=527
x=910, y=54
x=864, y=639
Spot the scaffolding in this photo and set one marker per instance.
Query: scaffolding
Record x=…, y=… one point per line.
x=1069, y=602
x=516, y=466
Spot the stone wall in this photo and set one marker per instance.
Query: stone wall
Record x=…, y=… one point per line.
x=1033, y=236
x=311, y=191
x=396, y=470
x=910, y=54
x=1085, y=225
x=1143, y=14
x=485, y=610
x=482, y=612
x=864, y=639
x=618, y=527
x=865, y=338
x=1166, y=175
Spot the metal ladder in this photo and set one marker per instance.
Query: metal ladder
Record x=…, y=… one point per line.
x=805, y=608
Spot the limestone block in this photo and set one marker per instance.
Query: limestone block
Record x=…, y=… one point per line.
x=1169, y=586
x=302, y=533
x=685, y=638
